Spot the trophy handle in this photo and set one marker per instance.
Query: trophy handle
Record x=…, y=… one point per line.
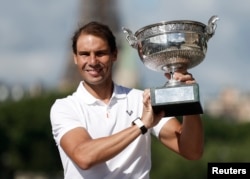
x=132, y=40
x=210, y=28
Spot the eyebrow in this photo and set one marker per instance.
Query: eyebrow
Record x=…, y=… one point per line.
x=106, y=51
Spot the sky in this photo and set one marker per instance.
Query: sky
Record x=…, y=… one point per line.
x=35, y=39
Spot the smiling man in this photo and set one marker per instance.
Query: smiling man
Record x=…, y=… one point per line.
x=103, y=130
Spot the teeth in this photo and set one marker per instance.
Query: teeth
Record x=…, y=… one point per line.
x=93, y=70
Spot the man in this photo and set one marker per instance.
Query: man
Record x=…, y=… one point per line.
x=104, y=130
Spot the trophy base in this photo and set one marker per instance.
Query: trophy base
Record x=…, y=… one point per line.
x=176, y=100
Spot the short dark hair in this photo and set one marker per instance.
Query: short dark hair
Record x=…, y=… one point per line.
x=97, y=29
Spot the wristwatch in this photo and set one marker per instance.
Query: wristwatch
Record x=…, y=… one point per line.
x=140, y=124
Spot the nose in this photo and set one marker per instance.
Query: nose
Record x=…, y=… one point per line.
x=93, y=59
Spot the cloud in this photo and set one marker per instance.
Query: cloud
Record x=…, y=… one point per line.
x=31, y=67
x=35, y=37
x=226, y=62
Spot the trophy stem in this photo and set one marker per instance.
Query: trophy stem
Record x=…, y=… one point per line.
x=172, y=81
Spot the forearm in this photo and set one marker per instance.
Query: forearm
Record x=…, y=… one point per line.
x=99, y=150
x=191, y=137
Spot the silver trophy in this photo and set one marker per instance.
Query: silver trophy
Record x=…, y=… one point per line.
x=169, y=47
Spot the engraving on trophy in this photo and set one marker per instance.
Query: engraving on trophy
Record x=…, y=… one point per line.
x=173, y=46
x=184, y=93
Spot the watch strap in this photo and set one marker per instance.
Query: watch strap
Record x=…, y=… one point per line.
x=140, y=125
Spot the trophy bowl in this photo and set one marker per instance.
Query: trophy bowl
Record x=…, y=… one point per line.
x=172, y=45
x=168, y=47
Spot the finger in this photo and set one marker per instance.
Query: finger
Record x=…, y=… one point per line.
x=146, y=96
x=167, y=75
x=184, y=77
x=146, y=93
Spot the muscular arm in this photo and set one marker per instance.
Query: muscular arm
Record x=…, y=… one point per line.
x=185, y=139
x=86, y=152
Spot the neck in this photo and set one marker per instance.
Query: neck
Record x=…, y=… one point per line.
x=102, y=91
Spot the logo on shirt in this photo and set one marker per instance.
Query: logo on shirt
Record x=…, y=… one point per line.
x=129, y=112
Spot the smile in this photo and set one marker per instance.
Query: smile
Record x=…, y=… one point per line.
x=94, y=72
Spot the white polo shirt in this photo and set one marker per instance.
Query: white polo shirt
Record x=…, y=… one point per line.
x=81, y=109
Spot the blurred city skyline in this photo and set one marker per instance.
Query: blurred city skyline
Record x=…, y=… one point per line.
x=36, y=38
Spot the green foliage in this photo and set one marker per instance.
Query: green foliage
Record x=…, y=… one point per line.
x=225, y=141
x=26, y=143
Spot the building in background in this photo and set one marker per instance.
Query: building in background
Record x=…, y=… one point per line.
x=230, y=104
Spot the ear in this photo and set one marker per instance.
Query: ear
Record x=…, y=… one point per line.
x=75, y=58
x=115, y=53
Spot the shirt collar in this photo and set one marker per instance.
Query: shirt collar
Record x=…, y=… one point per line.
x=118, y=93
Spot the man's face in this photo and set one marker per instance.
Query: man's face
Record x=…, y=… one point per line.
x=94, y=59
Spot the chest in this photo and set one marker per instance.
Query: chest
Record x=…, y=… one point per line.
x=102, y=120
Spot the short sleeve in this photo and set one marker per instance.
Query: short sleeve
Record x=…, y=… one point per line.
x=156, y=130
x=63, y=118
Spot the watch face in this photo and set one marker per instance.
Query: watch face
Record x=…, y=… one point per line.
x=143, y=130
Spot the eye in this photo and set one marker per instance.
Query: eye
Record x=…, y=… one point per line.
x=84, y=53
x=102, y=53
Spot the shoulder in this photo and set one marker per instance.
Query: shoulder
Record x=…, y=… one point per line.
x=60, y=108
x=68, y=102
x=128, y=91
x=64, y=105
